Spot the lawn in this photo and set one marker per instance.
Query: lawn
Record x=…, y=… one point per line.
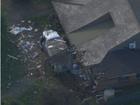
x=89, y=101
x=12, y=69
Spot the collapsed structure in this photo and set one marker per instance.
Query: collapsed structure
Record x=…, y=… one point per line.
x=56, y=48
x=75, y=14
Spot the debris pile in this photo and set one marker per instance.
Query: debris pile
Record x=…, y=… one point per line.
x=27, y=37
x=52, y=42
x=16, y=30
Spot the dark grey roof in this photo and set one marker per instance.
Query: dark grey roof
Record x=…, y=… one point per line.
x=119, y=63
x=73, y=17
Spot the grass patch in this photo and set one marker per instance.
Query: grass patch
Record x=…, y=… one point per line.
x=50, y=19
x=89, y=101
x=33, y=96
x=9, y=100
x=11, y=69
x=47, y=21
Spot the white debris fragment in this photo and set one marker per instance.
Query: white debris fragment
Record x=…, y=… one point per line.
x=50, y=34
x=29, y=21
x=22, y=21
x=38, y=66
x=62, y=48
x=60, y=40
x=13, y=57
x=34, y=55
x=50, y=46
x=16, y=30
x=35, y=30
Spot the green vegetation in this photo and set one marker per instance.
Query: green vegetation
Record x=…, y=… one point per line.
x=33, y=96
x=89, y=101
x=12, y=69
x=50, y=19
x=9, y=100
x=48, y=91
x=47, y=21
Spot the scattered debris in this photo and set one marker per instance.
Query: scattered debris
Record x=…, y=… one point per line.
x=29, y=21
x=26, y=46
x=34, y=55
x=35, y=30
x=16, y=30
x=38, y=66
x=31, y=74
x=50, y=34
x=13, y=57
x=22, y=21
x=28, y=40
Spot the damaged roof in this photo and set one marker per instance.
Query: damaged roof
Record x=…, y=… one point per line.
x=75, y=14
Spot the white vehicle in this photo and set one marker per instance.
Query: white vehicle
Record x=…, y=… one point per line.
x=52, y=43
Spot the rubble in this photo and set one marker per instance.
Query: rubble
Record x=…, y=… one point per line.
x=27, y=41
x=13, y=57
x=34, y=55
x=31, y=74
x=38, y=66
x=22, y=21
x=50, y=34
x=16, y=30
x=35, y=30
x=29, y=21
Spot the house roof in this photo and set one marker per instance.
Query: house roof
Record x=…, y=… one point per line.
x=74, y=2
x=74, y=15
x=119, y=63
